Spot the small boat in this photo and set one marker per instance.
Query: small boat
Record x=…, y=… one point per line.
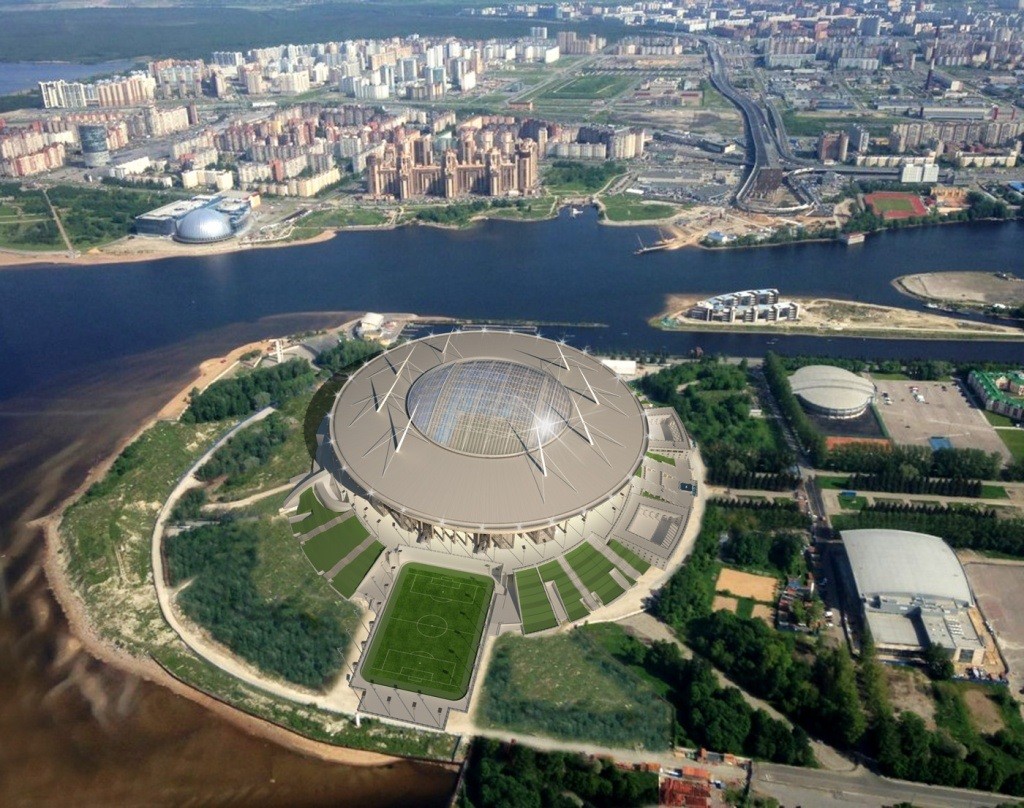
x=574, y=212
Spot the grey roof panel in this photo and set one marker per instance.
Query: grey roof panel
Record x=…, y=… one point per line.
x=900, y=562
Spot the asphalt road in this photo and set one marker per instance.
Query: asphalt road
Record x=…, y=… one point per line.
x=813, y=787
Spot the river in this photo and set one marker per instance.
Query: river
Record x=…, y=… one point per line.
x=88, y=353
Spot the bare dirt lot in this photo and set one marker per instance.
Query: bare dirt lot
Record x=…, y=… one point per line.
x=999, y=589
x=724, y=603
x=946, y=413
x=745, y=585
x=984, y=713
x=909, y=689
x=983, y=288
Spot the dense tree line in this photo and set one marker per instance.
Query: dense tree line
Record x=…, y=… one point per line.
x=810, y=438
x=920, y=369
x=277, y=636
x=960, y=527
x=716, y=717
x=189, y=506
x=782, y=552
x=462, y=212
x=911, y=462
x=900, y=483
x=347, y=353
x=739, y=451
x=248, y=450
x=499, y=774
x=822, y=696
x=246, y=393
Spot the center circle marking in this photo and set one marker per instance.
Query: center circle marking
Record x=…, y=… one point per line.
x=432, y=626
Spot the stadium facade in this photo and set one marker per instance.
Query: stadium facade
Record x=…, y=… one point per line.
x=486, y=438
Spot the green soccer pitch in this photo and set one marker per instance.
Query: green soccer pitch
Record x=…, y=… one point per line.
x=428, y=636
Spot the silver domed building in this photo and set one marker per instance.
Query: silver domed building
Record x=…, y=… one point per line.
x=203, y=226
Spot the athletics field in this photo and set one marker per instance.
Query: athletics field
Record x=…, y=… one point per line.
x=429, y=633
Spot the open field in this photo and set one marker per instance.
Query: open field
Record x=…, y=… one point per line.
x=839, y=318
x=597, y=87
x=746, y=585
x=534, y=607
x=946, y=413
x=895, y=205
x=594, y=570
x=316, y=513
x=978, y=288
x=567, y=591
x=633, y=208
x=999, y=589
x=428, y=636
x=569, y=686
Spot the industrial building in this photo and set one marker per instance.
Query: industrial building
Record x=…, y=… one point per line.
x=831, y=391
x=482, y=438
x=913, y=593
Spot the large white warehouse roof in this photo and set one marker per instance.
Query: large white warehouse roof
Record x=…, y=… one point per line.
x=902, y=563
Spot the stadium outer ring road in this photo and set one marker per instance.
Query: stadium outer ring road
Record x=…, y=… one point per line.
x=426, y=432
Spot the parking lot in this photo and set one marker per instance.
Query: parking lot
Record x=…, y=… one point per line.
x=944, y=411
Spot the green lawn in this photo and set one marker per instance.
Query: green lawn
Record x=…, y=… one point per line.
x=317, y=513
x=630, y=557
x=996, y=419
x=1014, y=440
x=428, y=636
x=661, y=458
x=588, y=88
x=567, y=591
x=838, y=483
x=342, y=217
x=745, y=607
x=569, y=686
x=632, y=208
x=326, y=549
x=347, y=581
x=989, y=491
x=593, y=570
x=534, y=607
x=852, y=503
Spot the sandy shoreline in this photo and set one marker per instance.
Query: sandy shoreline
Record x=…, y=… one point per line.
x=838, y=318
x=76, y=614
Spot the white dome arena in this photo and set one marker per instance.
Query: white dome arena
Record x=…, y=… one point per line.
x=203, y=226
x=831, y=391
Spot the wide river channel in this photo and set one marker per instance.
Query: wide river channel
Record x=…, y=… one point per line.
x=87, y=353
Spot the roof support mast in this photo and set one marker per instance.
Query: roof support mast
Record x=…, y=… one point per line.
x=398, y=375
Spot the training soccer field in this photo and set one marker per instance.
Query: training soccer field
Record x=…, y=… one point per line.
x=428, y=636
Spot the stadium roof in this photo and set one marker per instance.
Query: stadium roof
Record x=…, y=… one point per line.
x=902, y=563
x=488, y=431
x=830, y=388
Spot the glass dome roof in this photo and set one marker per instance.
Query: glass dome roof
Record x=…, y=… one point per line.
x=488, y=407
x=204, y=225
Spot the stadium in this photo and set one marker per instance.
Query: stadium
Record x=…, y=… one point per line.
x=484, y=436
x=831, y=391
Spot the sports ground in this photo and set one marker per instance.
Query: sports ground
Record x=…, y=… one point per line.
x=896, y=205
x=429, y=633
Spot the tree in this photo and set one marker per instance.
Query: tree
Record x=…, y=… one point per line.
x=938, y=663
